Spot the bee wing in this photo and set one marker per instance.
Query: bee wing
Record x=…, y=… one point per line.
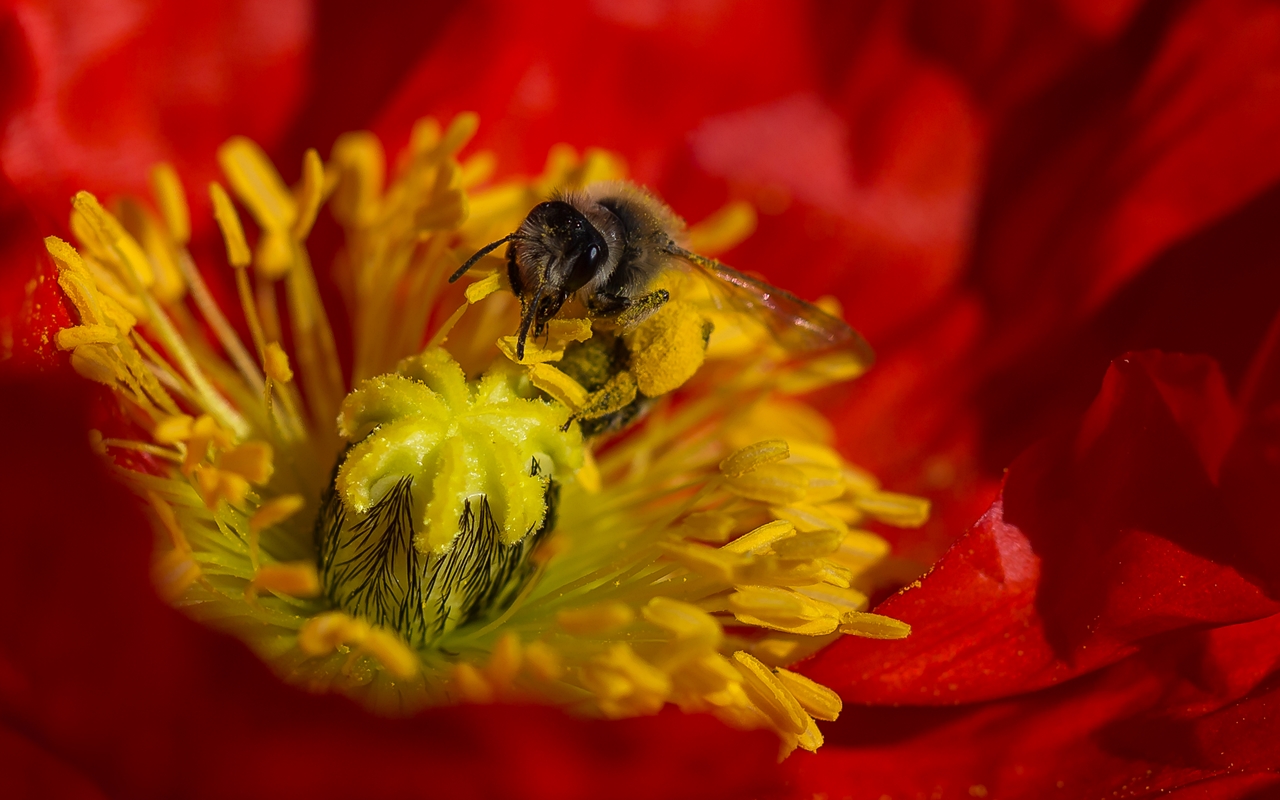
x=802, y=328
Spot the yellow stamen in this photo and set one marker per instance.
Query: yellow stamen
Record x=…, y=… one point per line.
x=723, y=230
x=272, y=512
x=310, y=194
x=783, y=610
x=251, y=460
x=297, y=579
x=392, y=653
x=534, y=353
x=360, y=171
x=559, y=385
x=808, y=517
x=71, y=338
x=776, y=484
x=229, y=222
x=218, y=485
x=257, y=183
x=769, y=695
x=718, y=564
x=157, y=245
x=113, y=236
x=170, y=522
x=504, y=662
x=626, y=684
x=543, y=661
x=683, y=620
x=453, y=537
x=483, y=288
x=588, y=476
x=760, y=539
x=707, y=526
x=471, y=685
x=172, y=201
x=896, y=509
x=330, y=631
x=276, y=363
x=808, y=545
x=811, y=739
x=842, y=598
x=78, y=284
x=818, y=700
x=174, y=573
x=325, y=633
x=873, y=626
x=603, y=618
x=754, y=456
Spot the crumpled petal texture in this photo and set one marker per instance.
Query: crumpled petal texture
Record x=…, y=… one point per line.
x=1186, y=714
x=1116, y=563
x=1102, y=537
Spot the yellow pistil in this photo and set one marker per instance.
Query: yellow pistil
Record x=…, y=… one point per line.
x=447, y=524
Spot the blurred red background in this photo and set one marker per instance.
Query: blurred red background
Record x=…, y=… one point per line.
x=1004, y=196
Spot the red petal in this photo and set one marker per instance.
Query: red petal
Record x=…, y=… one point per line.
x=30, y=771
x=1124, y=170
x=1220, y=712
x=1213, y=294
x=145, y=702
x=539, y=78
x=1007, y=51
x=1101, y=539
x=904, y=422
x=1250, y=786
x=1252, y=469
x=32, y=306
x=884, y=173
x=1113, y=733
x=360, y=54
x=100, y=93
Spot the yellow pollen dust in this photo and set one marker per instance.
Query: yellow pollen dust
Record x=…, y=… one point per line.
x=633, y=515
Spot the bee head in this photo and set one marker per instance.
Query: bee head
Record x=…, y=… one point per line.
x=557, y=252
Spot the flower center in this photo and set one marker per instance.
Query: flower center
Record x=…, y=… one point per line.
x=441, y=497
x=616, y=513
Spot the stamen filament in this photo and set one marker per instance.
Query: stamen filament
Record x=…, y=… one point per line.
x=313, y=338
x=222, y=329
x=143, y=447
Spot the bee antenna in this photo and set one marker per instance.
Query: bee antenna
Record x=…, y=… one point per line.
x=481, y=253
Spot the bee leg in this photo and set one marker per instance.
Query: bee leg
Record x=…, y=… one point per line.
x=639, y=310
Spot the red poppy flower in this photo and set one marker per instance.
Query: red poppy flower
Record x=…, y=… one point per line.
x=1003, y=200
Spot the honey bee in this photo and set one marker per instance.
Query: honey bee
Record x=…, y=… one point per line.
x=608, y=242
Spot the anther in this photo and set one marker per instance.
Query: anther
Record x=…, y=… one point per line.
x=873, y=626
x=298, y=579
x=742, y=461
x=775, y=484
x=770, y=695
x=595, y=619
x=818, y=700
x=900, y=510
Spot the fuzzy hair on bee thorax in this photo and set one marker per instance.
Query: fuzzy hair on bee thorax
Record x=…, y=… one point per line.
x=640, y=231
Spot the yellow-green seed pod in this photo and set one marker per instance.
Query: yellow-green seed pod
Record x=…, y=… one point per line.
x=444, y=491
